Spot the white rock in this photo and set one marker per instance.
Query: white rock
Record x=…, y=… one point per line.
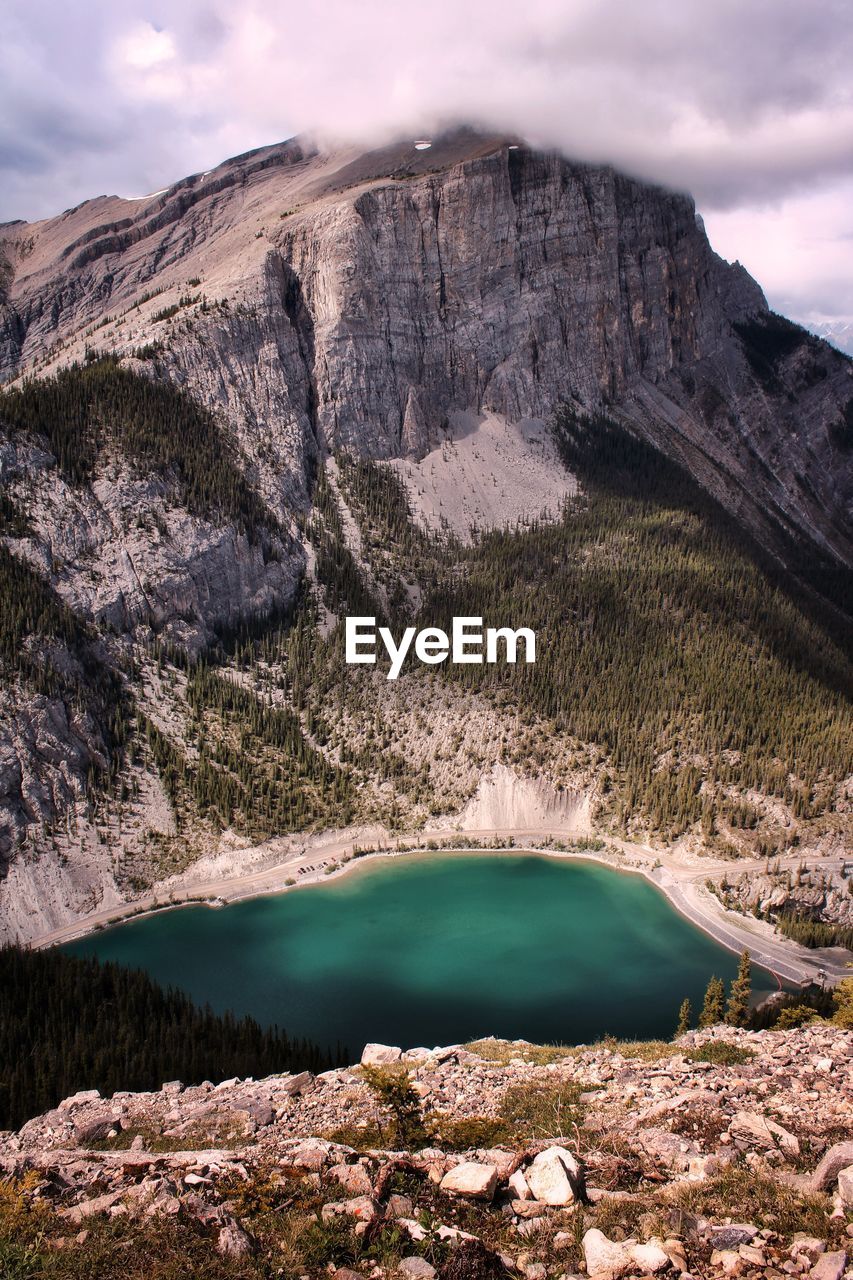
x=606, y=1256
x=650, y=1257
x=471, y=1179
x=380, y=1055
x=555, y=1176
x=845, y=1186
x=518, y=1186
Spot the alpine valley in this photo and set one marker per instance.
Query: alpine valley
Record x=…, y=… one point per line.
x=470, y=380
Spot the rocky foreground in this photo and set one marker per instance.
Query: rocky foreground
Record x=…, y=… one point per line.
x=727, y=1153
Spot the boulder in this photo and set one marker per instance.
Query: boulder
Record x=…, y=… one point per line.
x=758, y=1131
x=380, y=1055
x=603, y=1256
x=360, y=1207
x=651, y=1257
x=233, y=1241
x=555, y=1177
x=415, y=1268
x=845, y=1186
x=354, y=1179
x=297, y=1084
x=728, y=1261
x=837, y=1158
x=732, y=1236
x=478, y=1181
x=89, y=1208
x=829, y=1266
x=519, y=1187
x=398, y=1206
x=705, y=1166
x=808, y=1246
x=527, y=1208
x=97, y=1130
x=669, y=1150
x=261, y=1112
x=311, y=1154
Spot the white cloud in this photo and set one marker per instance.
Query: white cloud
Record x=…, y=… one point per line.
x=144, y=47
x=749, y=106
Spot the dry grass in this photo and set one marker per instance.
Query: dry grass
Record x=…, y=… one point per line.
x=506, y=1051
x=759, y=1199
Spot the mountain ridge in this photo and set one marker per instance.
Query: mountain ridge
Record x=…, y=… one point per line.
x=220, y=399
x=400, y=285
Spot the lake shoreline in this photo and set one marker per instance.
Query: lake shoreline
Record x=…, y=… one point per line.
x=682, y=884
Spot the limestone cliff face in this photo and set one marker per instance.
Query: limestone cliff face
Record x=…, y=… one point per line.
x=315, y=301
x=357, y=300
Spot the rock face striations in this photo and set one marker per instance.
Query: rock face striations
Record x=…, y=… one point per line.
x=320, y=301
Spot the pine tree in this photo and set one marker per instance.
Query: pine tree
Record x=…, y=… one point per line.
x=737, y=1010
x=685, y=1014
x=713, y=1005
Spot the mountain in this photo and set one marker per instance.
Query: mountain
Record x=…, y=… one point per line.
x=467, y=378
x=838, y=332
x=355, y=301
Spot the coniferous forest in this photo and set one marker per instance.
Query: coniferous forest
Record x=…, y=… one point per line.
x=68, y=1023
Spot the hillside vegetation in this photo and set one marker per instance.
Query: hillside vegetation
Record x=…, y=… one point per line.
x=677, y=676
x=662, y=637
x=68, y=1024
x=86, y=409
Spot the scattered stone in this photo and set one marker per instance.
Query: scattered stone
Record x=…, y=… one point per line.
x=555, y=1177
x=469, y=1178
x=829, y=1266
x=380, y=1055
x=416, y=1268
x=540, y=1186
x=605, y=1256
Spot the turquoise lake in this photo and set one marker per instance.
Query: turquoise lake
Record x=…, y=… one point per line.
x=438, y=949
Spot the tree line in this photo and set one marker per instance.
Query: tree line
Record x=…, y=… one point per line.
x=82, y=410
x=69, y=1023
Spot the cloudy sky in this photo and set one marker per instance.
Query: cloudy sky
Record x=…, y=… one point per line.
x=746, y=103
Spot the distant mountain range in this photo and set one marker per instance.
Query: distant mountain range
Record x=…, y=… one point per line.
x=838, y=332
